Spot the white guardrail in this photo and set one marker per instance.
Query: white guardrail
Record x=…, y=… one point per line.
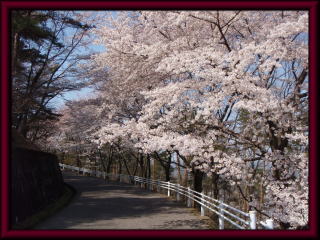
x=234, y=216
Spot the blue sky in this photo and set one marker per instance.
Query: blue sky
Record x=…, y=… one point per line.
x=59, y=101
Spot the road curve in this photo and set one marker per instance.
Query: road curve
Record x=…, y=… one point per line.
x=112, y=205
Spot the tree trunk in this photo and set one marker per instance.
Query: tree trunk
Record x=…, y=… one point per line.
x=197, y=183
x=120, y=167
x=141, y=165
x=102, y=161
x=14, y=54
x=167, y=168
x=22, y=125
x=109, y=162
x=148, y=169
x=215, y=186
x=185, y=178
x=148, y=166
x=215, y=191
x=136, y=168
x=154, y=169
x=178, y=169
x=166, y=165
x=126, y=166
x=78, y=162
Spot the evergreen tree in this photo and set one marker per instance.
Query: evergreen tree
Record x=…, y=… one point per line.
x=43, y=65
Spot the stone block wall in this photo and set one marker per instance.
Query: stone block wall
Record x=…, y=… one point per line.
x=36, y=181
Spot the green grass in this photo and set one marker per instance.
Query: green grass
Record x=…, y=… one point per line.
x=63, y=201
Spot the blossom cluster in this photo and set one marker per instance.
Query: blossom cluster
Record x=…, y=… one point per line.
x=222, y=88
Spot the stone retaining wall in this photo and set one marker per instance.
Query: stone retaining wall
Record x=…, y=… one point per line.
x=36, y=181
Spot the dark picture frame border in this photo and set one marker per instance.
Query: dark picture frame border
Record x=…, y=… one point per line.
x=7, y=6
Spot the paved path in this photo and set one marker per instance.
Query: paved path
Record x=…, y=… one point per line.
x=111, y=205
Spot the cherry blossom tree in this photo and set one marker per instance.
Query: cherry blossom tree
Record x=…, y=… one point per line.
x=227, y=91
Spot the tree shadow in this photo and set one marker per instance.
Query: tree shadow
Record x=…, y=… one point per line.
x=196, y=224
x=109, y=205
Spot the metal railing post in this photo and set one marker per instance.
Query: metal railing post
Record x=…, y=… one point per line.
x=221, y=220
x=202, y=202
x=168, y=188
x=253, y=219
x=188, y=198
x=269, y=223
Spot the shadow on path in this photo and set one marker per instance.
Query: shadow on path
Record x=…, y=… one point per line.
x=112, y=205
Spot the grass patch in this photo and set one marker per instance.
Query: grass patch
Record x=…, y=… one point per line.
x=63, y=201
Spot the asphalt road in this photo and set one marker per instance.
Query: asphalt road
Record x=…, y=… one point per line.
x=112, y=205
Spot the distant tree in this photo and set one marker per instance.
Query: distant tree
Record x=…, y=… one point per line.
x=44, y=64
